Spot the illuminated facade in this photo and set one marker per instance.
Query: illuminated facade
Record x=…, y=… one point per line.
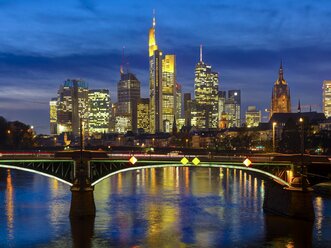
x=155, y=83
x=72, y=106
x=122, y=124
x=179, y=101
x=280, y=99
x=143, y=114
x=253, y=117
x=98, y=111
x=169, y=93
x=206, y=95
x=234, y=96
x=327, y=98
x=128, y=94
x=221, y=108
x=53, y=116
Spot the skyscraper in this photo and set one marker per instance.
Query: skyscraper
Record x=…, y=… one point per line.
x=128, y=94
x=143, y=114
x=327, y=98
x=72, y=106
x=98, y=111
x=168, y=92
x=206, y=95
x=53, y=115
x=235, y=97
x=280, y=99
x=155, y=82
x=179, y=101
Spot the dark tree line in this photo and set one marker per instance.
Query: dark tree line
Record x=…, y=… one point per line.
x=15, y=135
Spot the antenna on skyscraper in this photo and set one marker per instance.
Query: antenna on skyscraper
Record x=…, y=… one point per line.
x=122, y=64
x=154, y=22
x=200, y=52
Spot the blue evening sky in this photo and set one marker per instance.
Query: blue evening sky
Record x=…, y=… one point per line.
x=44, y=42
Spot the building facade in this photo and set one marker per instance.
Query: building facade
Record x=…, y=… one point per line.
x=143, y=115
x=98, y=111
x=252, y=116
x=155, y=83
x=128, y=94
x=169, y=93
x=206, y=95
x=53, y=115
x=327, y=98
x=280, y=99
x=72, y=106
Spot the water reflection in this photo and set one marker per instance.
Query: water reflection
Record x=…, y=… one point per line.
x=287, y=232
x=82, y=231
x=10, y=206
x=165, y=207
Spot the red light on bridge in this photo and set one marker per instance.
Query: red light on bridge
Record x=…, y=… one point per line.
x=247, y=162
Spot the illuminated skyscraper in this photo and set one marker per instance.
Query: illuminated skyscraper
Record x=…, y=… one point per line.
x=143, y=114
x=53, y=115
x=280, y=99
x=253, y=117
x=206, y=95
x=169, y=93
x=98, y=111
x=155, y=83
x=179, y=101
x=327, y=98
x=235, y=97
x=128, y=94
x=72, y=106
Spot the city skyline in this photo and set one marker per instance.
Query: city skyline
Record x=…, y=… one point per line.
x=246, y=56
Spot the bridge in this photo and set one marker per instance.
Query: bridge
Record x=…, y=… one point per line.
x=82, y=170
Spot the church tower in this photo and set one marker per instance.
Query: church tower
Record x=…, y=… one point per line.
x=280, y=99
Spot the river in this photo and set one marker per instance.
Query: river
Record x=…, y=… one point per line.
x=164, y=207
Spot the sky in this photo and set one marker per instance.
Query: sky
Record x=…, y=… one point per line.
x=43, y=43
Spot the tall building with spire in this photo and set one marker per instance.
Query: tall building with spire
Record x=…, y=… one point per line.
x=155, y=82
x=206, y=95
x=280, y=99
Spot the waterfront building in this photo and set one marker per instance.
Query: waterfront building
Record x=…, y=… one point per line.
x=53, y=115
x=72, y=106
x=327, y=98
x=206, y=95
x=252, y=116
x=143, y=114
x=280, y=99
x=169, y=93
x=128, y=94
x=98, y=111
x=155, y=82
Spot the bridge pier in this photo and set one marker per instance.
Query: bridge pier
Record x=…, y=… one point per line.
x=288, y=201
x=82, y=201
x=82, y=198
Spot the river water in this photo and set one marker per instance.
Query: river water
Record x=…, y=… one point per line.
x=164, y=207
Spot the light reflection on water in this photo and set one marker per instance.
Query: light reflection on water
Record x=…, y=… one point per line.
x=169, y=207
